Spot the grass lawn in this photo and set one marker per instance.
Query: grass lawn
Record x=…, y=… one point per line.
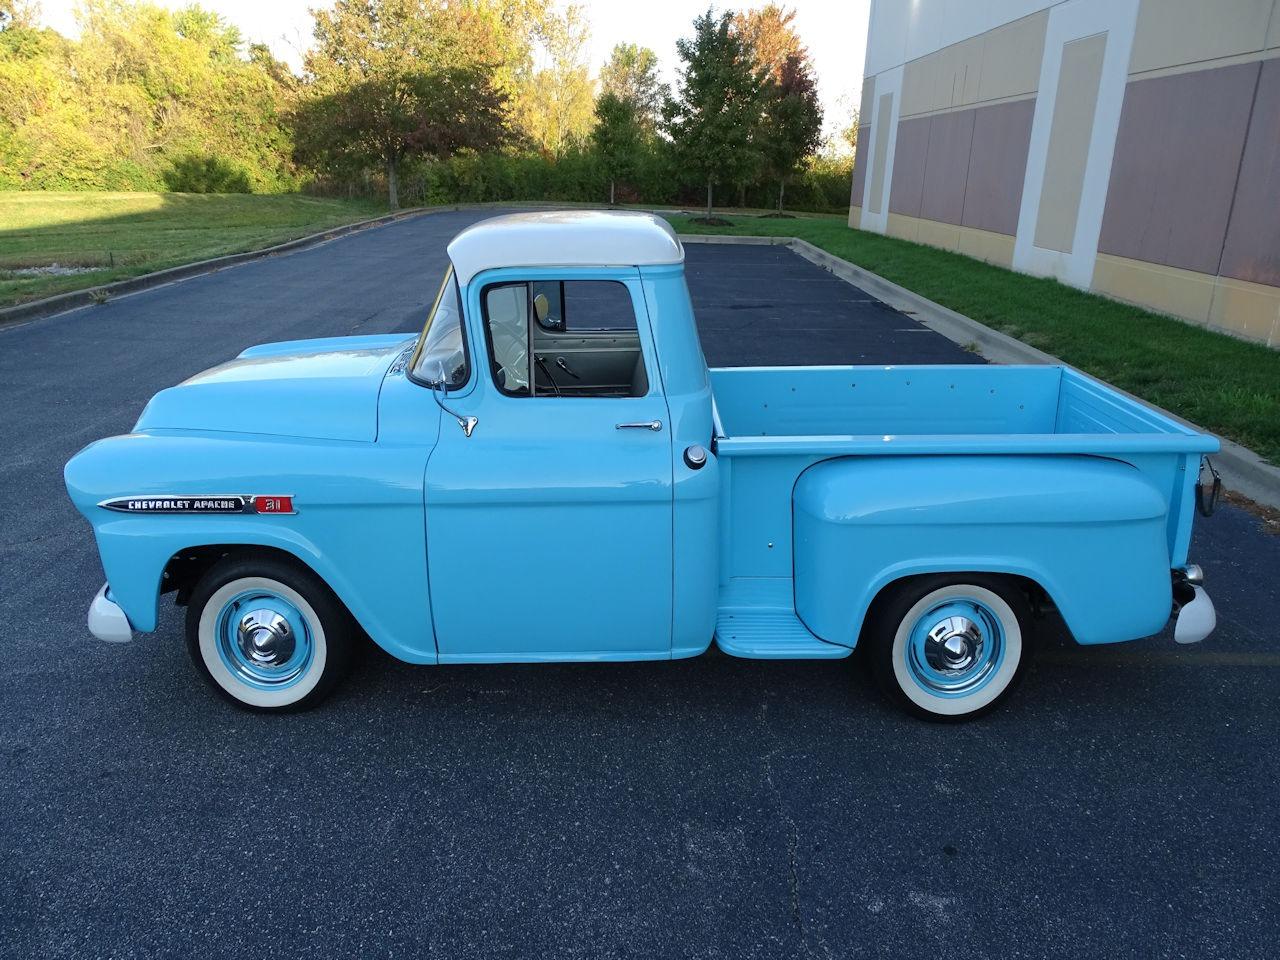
x=119, y=235
x=1226, y=385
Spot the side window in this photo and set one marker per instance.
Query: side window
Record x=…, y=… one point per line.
x=582, y=306
x=548, y=303
x=564, y=338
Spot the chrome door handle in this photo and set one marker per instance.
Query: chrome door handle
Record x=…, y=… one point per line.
x=646, y=425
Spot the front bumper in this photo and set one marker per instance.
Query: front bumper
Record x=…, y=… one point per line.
x=1194, y=615
x=106, y=620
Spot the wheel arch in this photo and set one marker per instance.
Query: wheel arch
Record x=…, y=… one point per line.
x=140, y=569
x=185, y=567
x=1038, y=597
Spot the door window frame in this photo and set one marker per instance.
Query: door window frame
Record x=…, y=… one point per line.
x=476, y=317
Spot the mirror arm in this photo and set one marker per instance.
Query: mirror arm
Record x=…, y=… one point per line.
x=468, y=424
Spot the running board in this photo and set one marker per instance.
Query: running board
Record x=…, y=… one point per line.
x=757, y=619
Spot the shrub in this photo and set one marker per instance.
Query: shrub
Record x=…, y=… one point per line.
x=194, y=173
x=579, y=175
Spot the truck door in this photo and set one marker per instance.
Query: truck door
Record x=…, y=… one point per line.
x=549, y=528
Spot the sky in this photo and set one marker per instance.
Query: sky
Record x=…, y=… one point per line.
x=835, y=32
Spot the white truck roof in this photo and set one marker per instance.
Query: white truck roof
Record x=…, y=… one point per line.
x=564, y=238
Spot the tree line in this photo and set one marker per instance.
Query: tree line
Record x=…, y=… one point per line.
x=431, y=101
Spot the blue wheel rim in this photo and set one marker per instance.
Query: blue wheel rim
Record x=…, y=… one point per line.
x=956, y=647
x=264, y=640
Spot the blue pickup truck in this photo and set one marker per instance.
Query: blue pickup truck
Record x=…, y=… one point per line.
x=550, y=472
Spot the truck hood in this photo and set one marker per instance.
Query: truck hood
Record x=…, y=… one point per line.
x=321, y=389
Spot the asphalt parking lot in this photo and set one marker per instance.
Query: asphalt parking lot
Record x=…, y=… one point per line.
x=1122, y=804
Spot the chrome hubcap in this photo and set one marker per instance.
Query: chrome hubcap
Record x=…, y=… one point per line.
x=264, y=640
x=955, y=647
x=954, y=644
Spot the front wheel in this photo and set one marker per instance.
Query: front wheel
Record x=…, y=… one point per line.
x=267, y=634
x=949, y=647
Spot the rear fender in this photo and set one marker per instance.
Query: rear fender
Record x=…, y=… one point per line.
x=1089, y=531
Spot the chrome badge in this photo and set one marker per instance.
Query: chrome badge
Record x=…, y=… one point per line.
x=208, y=503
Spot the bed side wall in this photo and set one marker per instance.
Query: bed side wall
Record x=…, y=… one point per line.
x=916, y=400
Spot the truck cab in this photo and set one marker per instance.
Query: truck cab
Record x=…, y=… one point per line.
x=550, y=472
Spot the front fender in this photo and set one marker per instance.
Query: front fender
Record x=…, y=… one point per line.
x=359, y=522
x=1090, y=531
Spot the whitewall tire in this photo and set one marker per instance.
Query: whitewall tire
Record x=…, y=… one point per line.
x=949, y=647
x=267, y=634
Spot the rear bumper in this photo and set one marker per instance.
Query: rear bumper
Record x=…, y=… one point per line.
x=1194, y=615
x=106, y=620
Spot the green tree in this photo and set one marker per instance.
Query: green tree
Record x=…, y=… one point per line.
x=631, y=75
x=792, y=129
x=141, y=89
x=210, y=29
x=618, y=137
x=396, y=78
x=554, y=105
x=714, y=119
x=383, y=120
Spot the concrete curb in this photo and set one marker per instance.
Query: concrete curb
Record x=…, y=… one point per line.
x=1243, y=471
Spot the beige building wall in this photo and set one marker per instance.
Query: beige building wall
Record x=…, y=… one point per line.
x=1178, y=205
x=1069, y=134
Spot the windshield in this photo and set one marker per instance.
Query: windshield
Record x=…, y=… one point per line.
x=442, y=352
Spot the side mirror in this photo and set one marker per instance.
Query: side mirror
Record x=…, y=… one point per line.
x=437, y=381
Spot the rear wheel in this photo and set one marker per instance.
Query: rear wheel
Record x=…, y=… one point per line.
x=951, y=646
x=267, y=634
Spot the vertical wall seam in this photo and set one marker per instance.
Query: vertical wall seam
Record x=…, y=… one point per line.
x=1244, y=150
x=968, y=162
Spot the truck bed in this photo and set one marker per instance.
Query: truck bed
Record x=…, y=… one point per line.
x=772, y=424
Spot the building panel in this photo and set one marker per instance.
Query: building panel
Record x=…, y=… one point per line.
x=858, y=189
x=1011, y=58
x=998, y=65
x=1069, y=135
x=906, y=186
x=861, y=156
x=958, y=67
x=1252, y=248
x=918, y=86
x=947, y=167
x=1173, y=33
x=998, y=166
x=1174, y=171
x=884, y=115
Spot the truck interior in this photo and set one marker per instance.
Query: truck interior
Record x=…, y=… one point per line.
x=580, y=334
